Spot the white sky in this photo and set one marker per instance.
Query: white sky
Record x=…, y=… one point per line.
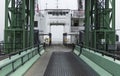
x=51, y=4
x=64, y=4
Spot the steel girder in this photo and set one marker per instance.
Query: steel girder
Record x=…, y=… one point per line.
x=19, y=24
x=100, y=23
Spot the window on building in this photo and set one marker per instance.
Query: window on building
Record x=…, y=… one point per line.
x=57, y=13
x=75, y=22
x=35, y=23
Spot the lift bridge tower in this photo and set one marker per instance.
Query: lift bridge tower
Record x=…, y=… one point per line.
x=19, y=24
x=100, y=24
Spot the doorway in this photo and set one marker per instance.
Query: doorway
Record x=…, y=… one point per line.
x=57, y=34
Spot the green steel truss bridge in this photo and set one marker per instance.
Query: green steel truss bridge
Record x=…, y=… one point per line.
x=90, y=57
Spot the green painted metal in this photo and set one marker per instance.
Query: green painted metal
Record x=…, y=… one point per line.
x=32, y=22
x=11, y=66
x=105, y=62
x=19, y=24
x=93, y=65
x=22, y=70
x=108, y=65
x=100, y=23
x=87, y=22
x=101, y=71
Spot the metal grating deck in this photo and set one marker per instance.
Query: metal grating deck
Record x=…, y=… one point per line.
x=67, y=64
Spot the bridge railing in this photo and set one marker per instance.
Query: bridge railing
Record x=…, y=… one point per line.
x=113, y=55
x=9, y=49
x=17, y=59
x=109, y=62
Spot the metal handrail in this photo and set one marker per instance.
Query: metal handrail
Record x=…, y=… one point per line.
x=25, y=49
x=115, y=56
x=19, y=51
x=21, y=58
x=2, y=49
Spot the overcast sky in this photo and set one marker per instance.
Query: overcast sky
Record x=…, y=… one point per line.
x=63, y=4
x=51, y=4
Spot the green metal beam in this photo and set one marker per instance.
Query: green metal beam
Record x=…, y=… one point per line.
x=31, y=22
x=87, y=21
x=100, y=23
x=19, y=24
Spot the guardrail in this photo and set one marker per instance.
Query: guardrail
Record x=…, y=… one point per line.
x=103, y=59
x=21, y=58
x=9, y=49
x=113, y=55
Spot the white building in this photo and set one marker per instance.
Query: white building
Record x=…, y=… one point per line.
x=59, y=21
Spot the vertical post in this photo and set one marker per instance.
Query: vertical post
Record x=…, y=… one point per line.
x=50, y=38
x=87, y=21
x=24, y=22
x=27, y=23
x=38, y=48
x=113, y=4
x=32, y=23
x=94, y=42
x=6, y=25
x=113, y=20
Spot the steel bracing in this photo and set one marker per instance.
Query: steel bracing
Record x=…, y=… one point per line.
x=19, y=24
x=100, y=24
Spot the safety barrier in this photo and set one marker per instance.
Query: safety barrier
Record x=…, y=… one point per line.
x=8, y=66
x=101, y=58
